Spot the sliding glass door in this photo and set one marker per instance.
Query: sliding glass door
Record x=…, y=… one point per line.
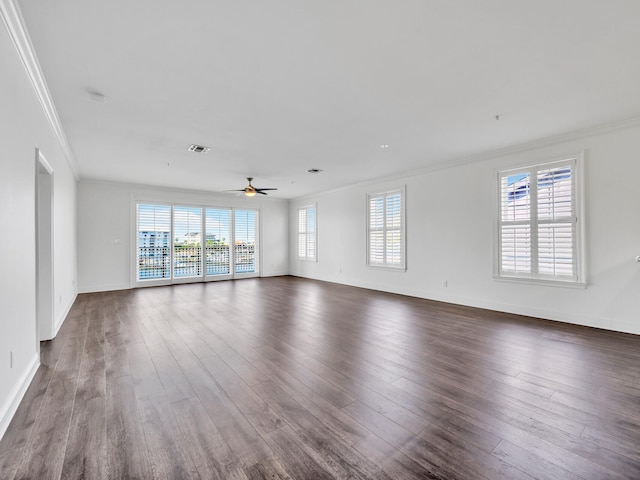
x=218, y=238
x=153, y=242
x=245, y=252
x=187, y=242
x=179, y=243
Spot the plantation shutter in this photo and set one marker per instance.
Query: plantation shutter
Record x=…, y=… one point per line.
x=307, y=233
x=187, y=242
x=311, y=233
x=376, y=230
x=153, y=241
x=515, y=231
x=537, y=226
x=556, y=222
x=386, y=229
x=393, y=218
x=218, y=239
x=180, y=244
x=302, y=233
x=245, y=222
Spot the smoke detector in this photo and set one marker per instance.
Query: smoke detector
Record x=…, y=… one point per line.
x=97, y=96
x=198, y=149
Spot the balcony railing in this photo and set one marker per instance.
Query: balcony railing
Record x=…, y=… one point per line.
x=155, y=262
x=218, y=260
x=187, y=261
x=245, y=256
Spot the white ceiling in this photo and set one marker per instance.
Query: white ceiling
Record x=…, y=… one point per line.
x=278, y=87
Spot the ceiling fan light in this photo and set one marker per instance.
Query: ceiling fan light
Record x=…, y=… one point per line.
x=250, y=192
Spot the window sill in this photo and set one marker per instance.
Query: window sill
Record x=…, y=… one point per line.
x=387, y=267
x=541, y=281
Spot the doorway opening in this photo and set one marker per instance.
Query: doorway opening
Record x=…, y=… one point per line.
x=44, y=250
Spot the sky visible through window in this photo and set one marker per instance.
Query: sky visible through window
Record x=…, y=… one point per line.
x=537, y=231
x=154, y=218
x=187, y=223
x=171, y=242
x=245, y=228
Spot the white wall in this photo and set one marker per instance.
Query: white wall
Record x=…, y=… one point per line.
x=450, y=236
x=105, y=233
x=23, y=128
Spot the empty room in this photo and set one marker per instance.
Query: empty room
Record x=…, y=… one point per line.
x=320, y=239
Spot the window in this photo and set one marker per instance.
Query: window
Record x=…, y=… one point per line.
x=307, y=233
x=176, y=243
x=538, y=234
x=385, y=232
x=153, y=241
x=187, y=242
x=218, y=228
x=245, y=222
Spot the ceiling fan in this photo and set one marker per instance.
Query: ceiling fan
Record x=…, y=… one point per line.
x=250, y=190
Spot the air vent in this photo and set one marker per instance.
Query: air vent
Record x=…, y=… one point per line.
x=199, y=149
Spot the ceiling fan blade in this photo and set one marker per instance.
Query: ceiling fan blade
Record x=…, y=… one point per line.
x=250, y=190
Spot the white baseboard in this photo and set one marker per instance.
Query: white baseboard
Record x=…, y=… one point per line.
x=104, y=288
x=564, y=317
x=274, y=274
x=126, y=286
x=17, y=393
x=63, y=315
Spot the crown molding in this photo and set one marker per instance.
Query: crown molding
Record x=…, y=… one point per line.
x=14, y=23
x=542, y=142
x=483, y=156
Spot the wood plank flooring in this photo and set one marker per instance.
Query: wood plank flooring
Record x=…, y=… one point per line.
x=288, y=378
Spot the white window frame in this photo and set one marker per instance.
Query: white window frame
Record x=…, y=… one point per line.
x=176, y=279
x=257, y=252
x=230, y=274
x=302, y=230
x=578, y=279
x=203, y=277
x=398, y=266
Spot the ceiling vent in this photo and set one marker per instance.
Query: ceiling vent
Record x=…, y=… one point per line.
x=199, y=149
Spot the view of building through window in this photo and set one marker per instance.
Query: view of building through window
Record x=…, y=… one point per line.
x=218, y=228
x=170, y=243
x=537, y=227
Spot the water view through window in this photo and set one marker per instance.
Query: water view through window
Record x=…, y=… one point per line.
x=182, y=242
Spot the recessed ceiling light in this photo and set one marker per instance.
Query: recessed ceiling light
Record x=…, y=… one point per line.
x=314, y=170
x=384, y=145
x=198, y=149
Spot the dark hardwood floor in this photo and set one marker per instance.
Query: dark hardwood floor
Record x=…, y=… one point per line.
x=293, y=378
